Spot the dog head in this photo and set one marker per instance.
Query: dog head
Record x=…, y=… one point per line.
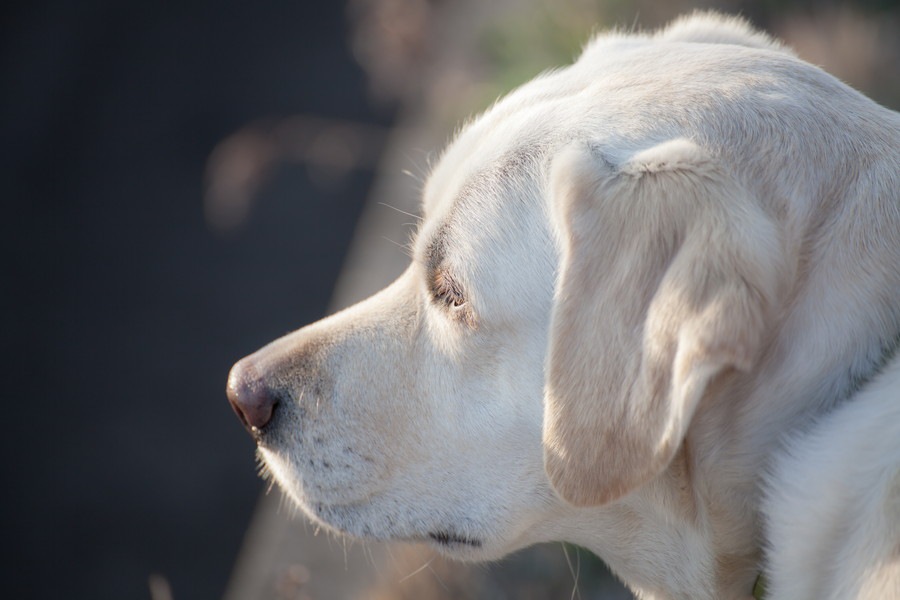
x=589, y=261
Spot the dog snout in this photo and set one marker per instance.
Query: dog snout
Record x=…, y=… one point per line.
x=252, y=400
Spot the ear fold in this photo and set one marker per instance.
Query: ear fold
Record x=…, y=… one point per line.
x=669, y=272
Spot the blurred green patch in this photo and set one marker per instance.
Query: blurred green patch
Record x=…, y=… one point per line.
x=521, y=45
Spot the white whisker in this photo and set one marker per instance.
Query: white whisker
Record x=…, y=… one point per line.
x=575, y=572
x=403, y=212
x=427, y=565
x=403, y=247
x=436, y=576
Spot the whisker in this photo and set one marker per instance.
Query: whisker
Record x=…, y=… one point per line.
x=427, y=565
x=574, y=571
x=395, y=564
x=399, y=245
x=403, y=212
x=436, y=576
x=369, y=555
x=416, y=157
x=417, y=178
x=344, y=546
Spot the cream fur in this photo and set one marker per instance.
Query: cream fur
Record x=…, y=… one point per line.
x=664, y=263
x=833, y=505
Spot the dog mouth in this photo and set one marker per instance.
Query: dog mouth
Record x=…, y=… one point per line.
x=346, y=520
x=336, y=518
x=371, y=518
x=446, y=540
x=449, y=539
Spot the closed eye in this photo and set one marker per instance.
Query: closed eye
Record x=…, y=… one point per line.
x=446, y=290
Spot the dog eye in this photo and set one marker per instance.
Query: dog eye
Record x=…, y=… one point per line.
x=447, y=291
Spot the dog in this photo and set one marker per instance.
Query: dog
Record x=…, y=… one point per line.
x=651, y=310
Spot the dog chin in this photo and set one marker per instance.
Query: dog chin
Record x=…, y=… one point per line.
x=365, y=520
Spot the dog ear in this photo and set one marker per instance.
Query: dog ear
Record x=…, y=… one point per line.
x=669, y=272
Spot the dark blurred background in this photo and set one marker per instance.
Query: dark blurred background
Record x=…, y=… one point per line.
x=181, y=182
x=125, y=302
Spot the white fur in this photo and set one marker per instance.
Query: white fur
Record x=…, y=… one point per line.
x=674, y=255
x=833, y=507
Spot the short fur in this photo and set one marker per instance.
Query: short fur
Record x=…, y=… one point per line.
x=642, y=283
x=833, y=505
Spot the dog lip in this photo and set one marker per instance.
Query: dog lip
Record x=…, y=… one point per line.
x=257, y=434
x=267, y=436
x=448, y=538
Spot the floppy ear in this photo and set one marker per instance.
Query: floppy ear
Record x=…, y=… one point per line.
x=669, y=272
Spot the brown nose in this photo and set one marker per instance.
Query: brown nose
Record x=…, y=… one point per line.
x=252, y=400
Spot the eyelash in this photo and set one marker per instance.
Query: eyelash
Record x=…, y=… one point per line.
x=447, y=291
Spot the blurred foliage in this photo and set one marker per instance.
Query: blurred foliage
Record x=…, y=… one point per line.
x=520, y=46
x=539, y=36
x=527, y=42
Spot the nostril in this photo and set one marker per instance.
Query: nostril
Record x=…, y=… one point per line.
x=250, y=398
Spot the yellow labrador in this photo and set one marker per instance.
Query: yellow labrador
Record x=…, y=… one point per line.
x=636, y=278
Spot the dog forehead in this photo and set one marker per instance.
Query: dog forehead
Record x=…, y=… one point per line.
x=478, y=168
x=493, y=204
x=499, y=148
